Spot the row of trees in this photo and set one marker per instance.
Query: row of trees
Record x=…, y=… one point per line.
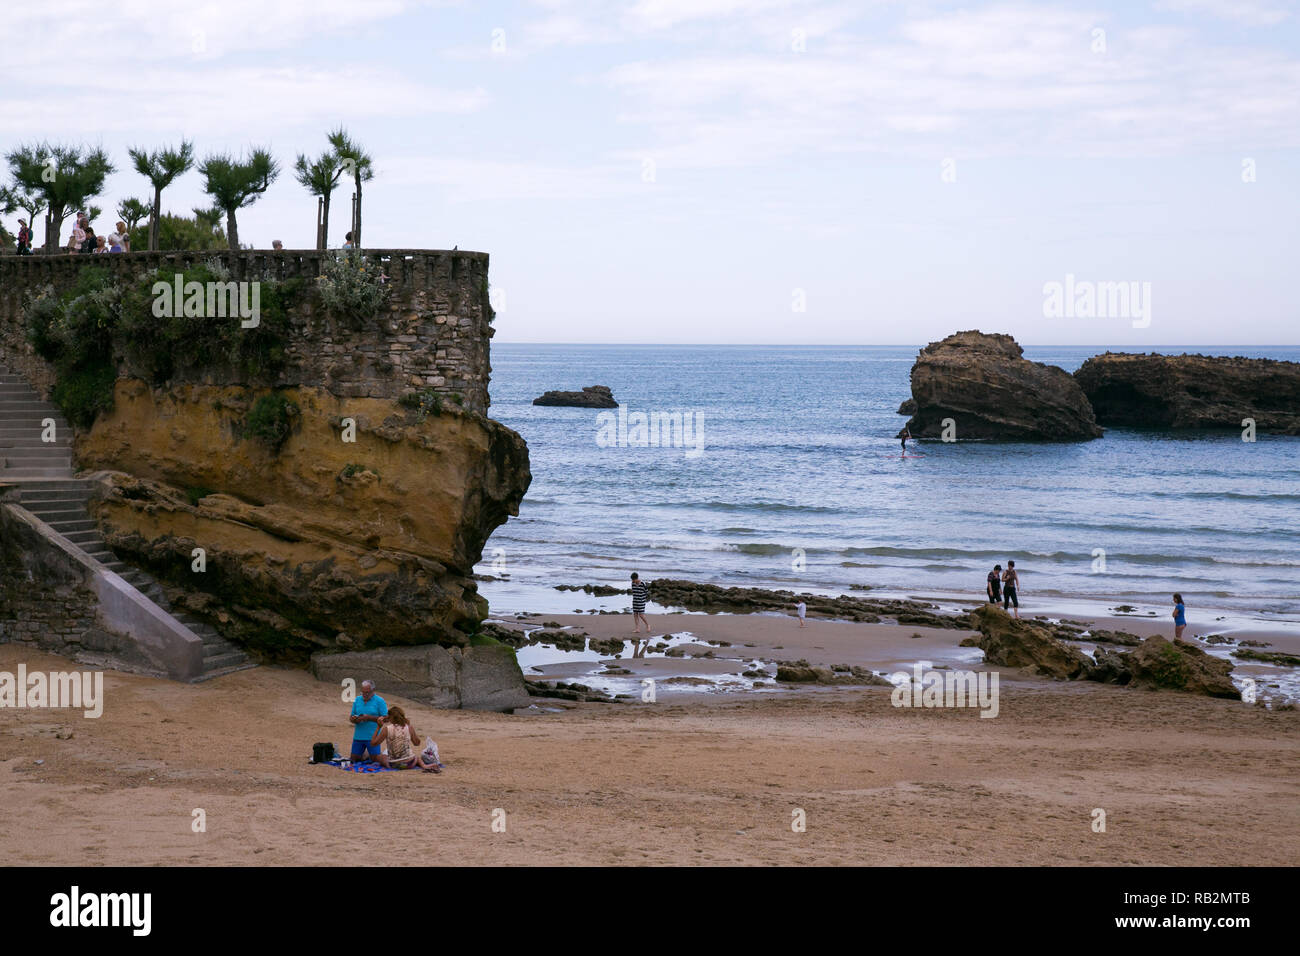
x=61, y=180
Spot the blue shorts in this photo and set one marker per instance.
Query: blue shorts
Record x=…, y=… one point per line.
x=360, y=747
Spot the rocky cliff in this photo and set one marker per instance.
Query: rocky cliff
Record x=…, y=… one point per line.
x=990, y=391
x=1192, y=391
x=321, y=543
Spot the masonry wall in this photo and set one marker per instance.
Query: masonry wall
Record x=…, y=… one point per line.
x=48, y=603
x=434, y=332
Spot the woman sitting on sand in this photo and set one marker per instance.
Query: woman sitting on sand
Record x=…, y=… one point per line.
x=400, y=735
x=1180, y=617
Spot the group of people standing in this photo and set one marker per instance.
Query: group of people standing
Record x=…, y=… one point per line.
x=1003, y=587
x=84, y=240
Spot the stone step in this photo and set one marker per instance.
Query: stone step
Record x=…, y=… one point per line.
x=11, y=473
x=223, y=671
x=220, y=661
x=20, y=410
x=83, y=538
x=71, y=526
x=54, y=457
x=51, y=515
x=26, y=444
x=43, y=494
x=33, y=428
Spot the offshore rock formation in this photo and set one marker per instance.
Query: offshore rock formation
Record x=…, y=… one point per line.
x=593, y=396
x=1192, y=391
x=323, y=545
x=990, y=391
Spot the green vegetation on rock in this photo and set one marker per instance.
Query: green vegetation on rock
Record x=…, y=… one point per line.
x=270, y=420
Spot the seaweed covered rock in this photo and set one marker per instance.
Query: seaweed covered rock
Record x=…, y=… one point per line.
x=1011, y=643
x=1178, y=665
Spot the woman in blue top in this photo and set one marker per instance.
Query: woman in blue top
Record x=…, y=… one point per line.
x=1180, y=617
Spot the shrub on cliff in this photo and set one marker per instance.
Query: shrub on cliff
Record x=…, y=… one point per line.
x=352, y=287
x=270, y=420
x=160, y=346
x=426, y=403
x=74, y=332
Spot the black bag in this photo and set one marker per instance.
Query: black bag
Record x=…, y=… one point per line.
x=322, y=753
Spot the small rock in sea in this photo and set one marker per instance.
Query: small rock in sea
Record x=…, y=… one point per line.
x=915, y=635
x=592, y=396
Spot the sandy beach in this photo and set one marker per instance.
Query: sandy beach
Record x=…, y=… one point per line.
x=700, y=778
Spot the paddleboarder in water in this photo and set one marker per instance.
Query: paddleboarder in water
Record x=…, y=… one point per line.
x=905, y=434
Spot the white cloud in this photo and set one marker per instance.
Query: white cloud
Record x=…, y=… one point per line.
x=1239, y=11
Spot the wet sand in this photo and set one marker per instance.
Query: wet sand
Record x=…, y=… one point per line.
x=695, y=778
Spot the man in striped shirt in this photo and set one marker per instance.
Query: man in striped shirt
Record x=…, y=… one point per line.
x=639, y=594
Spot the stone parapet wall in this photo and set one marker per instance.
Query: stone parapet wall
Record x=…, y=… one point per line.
x=433, y=333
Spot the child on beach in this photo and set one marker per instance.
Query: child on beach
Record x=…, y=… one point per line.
x=1179, y=616
x=802, y=610
x=639, y=594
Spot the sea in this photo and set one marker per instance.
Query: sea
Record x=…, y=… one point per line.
x=791, y=478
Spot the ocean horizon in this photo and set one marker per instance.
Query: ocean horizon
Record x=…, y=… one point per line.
x=791, y=478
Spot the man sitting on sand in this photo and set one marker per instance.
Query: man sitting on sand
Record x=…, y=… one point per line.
x=365, y=711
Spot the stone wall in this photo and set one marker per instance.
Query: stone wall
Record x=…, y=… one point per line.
x=433, y=333
x=48, y=602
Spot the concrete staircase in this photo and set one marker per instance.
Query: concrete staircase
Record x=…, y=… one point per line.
x=43, y=473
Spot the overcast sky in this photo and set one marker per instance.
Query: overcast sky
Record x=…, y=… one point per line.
x=737, y=171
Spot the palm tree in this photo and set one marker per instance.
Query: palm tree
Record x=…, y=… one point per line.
x=234, y=184
x=65, y=177
x=29, y=201
x=319, y=178
x=355, y=160
x=131, y=211
x=161, y=168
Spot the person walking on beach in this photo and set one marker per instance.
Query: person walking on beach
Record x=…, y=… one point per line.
x=639, y=594
x=1010, y=589
x=1179, y=616
x=802, y=610
x=366, y=710
x=993, y=588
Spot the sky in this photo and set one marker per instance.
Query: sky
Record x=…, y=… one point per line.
x=738, y=171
